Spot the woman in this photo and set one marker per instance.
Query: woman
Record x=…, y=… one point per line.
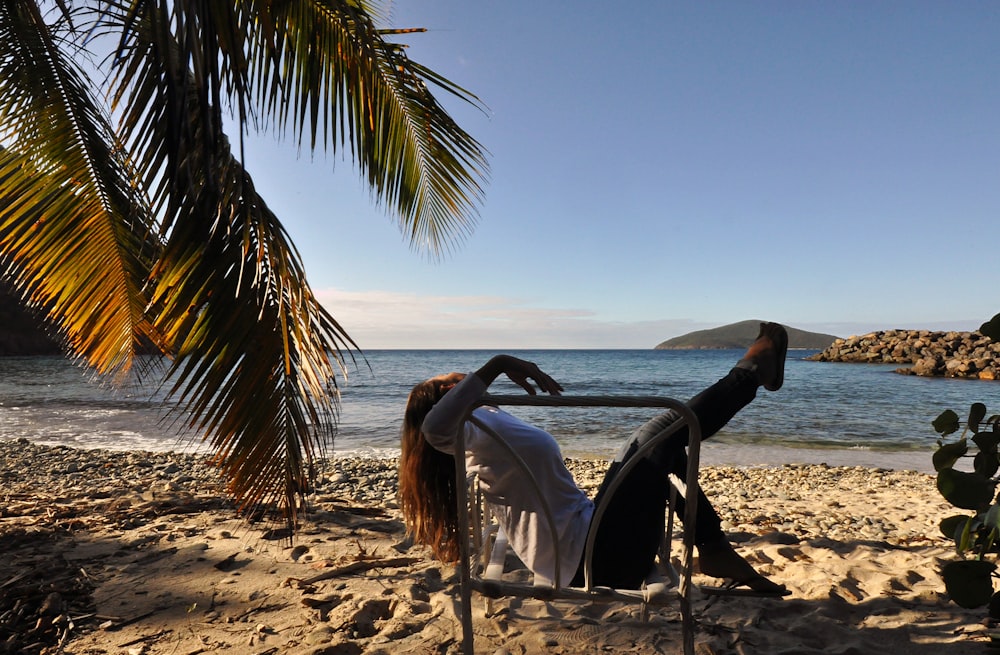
x=630, y=532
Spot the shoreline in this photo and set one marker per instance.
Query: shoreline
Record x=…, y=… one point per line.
x=713, y=453
x=724, y=454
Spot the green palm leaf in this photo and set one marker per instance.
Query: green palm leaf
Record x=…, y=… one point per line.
x=73, y=228
x=256, y=355
x=324, y=70
x=256, y=352
x=320, y=68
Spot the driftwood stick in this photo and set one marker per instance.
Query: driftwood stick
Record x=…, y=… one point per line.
x=143, y=638
x=355, y=567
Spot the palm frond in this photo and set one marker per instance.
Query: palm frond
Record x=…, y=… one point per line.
x=74, y=231
x=323, y=69
x=320, y=68
x=256, y=355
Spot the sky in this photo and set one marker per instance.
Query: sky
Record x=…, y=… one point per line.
x=663, y=167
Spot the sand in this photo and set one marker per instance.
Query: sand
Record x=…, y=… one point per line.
x=140, y=553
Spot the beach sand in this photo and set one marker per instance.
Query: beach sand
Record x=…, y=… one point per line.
x=140, y=553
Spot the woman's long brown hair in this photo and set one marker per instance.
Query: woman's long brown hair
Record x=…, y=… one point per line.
x=427, y=494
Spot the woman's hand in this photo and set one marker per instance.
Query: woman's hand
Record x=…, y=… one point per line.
x=520, y=371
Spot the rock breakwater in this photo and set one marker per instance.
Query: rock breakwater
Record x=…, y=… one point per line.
x=928, y=353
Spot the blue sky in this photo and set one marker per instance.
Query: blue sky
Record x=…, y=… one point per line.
x=661, y=167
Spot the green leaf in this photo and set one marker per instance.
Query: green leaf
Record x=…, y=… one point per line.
x=946, y=422
x=992, y=517
x=991, y=539
x=946, y=456
x=969, y=582
x=951, y=526
x=991, y=328
x=987, y=441
x=995, y=606
x=963, y=539
x=986, y=463
x=977, y=412
x=965, y=490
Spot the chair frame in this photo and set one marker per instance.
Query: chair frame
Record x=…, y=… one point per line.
x=483, y=576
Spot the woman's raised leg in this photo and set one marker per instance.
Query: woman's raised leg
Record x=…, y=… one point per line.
x=628, y=537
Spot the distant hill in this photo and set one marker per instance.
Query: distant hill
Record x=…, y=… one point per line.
x=20, y=332
x=741, y=335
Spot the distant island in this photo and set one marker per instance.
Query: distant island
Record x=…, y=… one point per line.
x=741, y=335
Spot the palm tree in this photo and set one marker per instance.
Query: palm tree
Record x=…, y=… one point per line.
x=129, y=222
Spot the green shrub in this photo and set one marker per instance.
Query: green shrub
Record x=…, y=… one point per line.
x=969, y=580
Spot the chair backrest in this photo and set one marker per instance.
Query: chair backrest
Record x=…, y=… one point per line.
x=686, y=418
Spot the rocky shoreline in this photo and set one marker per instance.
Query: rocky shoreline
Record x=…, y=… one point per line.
x=927, y=353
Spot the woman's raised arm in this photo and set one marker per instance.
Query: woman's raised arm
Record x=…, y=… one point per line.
x=520, y=371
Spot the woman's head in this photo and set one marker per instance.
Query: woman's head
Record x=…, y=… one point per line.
x=423, y=397
x=426, y=475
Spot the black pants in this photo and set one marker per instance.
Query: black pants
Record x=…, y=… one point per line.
x=632, y=527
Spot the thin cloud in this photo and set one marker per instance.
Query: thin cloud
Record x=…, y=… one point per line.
x=386, y=319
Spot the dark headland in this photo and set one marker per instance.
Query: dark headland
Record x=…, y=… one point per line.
x=21, y=333
x=741, y=335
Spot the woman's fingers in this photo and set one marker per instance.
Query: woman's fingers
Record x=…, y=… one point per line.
x=529, y=371
x=547, y=384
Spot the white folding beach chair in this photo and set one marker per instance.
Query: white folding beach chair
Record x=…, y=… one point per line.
x=483, y=546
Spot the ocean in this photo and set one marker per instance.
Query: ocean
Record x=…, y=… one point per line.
x=835, y=413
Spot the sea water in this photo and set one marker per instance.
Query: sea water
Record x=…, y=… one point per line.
x=865, y=409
